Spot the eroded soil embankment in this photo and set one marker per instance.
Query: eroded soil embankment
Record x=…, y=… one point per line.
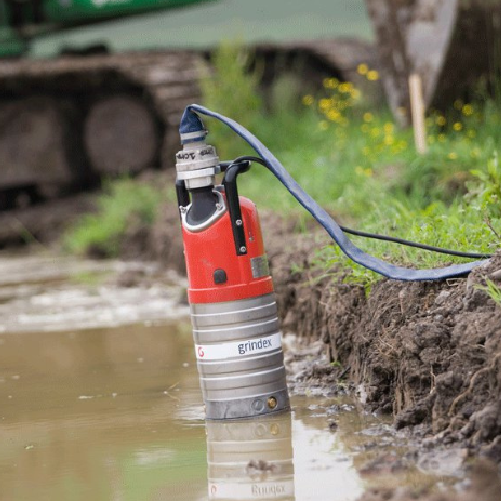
x=429, y=352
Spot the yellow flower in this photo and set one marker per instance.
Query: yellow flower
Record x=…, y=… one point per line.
x=332, y=103
x=467, y=110
x=359, y=170
x=324, y=104
x=440, y=121
x=388, y=140
x=308, y=100
x=372, y=75
x=333, y=114
x=458, y=104
x=457, y=126
x=471, y=133
x=441, y=138
x=345, y=87
x=362, y=69
x=365, y=128
x=331, y=83
x=368, y=117
x=452, y=155
x=388, y=127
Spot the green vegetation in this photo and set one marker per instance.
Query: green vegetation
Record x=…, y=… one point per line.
x=493, y=291
x=123, y=202
x=353, y=160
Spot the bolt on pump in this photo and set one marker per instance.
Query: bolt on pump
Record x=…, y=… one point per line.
x=233, y=310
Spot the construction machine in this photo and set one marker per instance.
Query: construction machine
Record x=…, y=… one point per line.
x=69, y=120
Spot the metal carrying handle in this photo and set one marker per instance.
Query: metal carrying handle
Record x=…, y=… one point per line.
x=231, y=171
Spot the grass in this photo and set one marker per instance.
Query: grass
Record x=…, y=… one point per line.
x=123, y=202
x=492, y=290
x=354, y=160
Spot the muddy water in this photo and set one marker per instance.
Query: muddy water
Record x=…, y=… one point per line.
x=113, y=411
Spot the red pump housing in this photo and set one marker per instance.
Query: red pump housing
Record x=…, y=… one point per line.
x=213, y=249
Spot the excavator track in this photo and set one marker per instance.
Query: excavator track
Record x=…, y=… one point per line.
x=68, y=121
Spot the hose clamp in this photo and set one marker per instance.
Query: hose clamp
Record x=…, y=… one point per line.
x=197, y=164
x=218, y=214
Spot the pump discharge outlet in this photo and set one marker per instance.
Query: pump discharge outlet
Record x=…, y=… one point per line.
x=233, y=310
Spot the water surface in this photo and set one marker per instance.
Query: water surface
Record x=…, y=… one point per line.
x=93, y=406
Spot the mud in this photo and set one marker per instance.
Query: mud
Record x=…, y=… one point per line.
x=485, y=486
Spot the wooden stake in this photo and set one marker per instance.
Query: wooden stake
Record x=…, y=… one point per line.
x=417, y=112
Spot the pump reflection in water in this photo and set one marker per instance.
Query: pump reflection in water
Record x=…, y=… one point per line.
x=233, y=310
x=251, y=459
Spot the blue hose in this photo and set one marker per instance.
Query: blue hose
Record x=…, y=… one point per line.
x=190, y=122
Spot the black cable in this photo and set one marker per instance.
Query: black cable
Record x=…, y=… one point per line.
x=401, y=241
x=250, y=159
x=409, y=243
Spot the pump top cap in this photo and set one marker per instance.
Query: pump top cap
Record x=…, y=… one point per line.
x=191, y=128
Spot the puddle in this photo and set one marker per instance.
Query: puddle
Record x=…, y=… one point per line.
x=115, y=413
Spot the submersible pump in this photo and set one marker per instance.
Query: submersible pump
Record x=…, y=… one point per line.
x=233, y=309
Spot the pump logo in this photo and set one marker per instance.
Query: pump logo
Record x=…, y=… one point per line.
x=232, y=349
x=251, y=346
x=268, y=490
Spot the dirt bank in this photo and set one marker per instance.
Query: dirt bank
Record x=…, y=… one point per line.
x=428, y=352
